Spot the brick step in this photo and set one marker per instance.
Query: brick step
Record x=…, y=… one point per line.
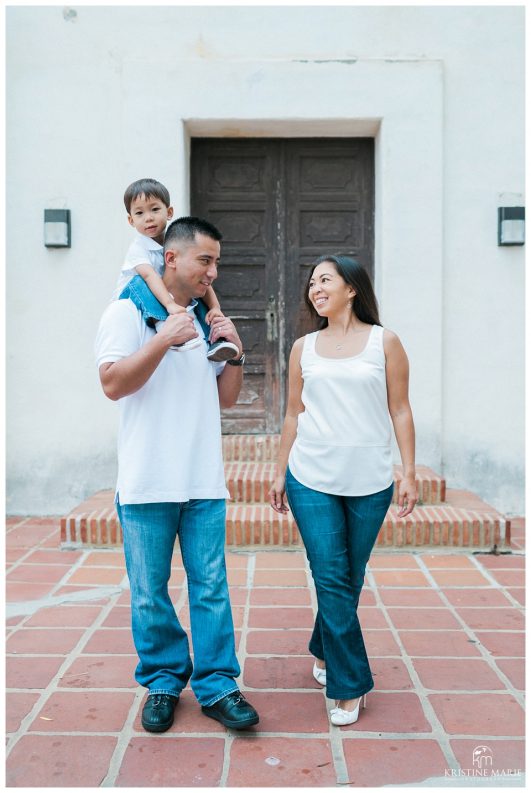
x=252, y=448
x=464, y=521
x=430, y=526
x=250, y=482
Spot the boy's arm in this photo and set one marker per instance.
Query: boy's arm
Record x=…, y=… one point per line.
x=214, y=309
x=211, y=299
x=156, y=285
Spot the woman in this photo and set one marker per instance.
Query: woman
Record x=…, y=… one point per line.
x=346, y=381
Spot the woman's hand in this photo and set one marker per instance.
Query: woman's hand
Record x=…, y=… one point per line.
x=407, y=496
x=277, y=495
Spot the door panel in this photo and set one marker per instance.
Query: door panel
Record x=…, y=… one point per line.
x=279, y=204
x=330, y=207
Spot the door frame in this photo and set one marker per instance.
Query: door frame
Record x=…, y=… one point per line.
x=408, y=133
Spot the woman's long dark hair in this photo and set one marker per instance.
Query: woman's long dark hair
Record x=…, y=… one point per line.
x=364, y=305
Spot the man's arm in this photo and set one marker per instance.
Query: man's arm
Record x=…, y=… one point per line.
x=229, y=385
x=124, y=377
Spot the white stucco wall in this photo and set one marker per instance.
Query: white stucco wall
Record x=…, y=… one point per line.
x=112, y=94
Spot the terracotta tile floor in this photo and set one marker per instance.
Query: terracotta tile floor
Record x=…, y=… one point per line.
x=444, y=632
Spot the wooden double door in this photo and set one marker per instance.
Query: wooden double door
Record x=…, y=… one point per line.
x=279, y=203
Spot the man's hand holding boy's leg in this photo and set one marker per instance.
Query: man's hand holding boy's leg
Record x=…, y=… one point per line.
x=221, y=347
x=177, y=329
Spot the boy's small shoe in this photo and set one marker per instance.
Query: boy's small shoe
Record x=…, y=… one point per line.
x=188, y=345
x=222, y=351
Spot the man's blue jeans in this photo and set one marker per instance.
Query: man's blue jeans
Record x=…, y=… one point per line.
x=165, y=666
x=339, y=533
x=152, y=311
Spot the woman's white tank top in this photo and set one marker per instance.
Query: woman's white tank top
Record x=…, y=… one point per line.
x=343, y=443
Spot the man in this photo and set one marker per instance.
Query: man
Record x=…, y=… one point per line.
x=171, y=482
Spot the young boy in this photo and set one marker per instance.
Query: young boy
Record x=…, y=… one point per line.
x=148, y=210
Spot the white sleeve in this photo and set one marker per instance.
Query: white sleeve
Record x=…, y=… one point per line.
x=119, y=333
x=136, y=254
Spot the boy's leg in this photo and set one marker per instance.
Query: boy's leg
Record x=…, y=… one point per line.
x=201, y=311
x=220, y=350
x=143, y=298
x=153, y=313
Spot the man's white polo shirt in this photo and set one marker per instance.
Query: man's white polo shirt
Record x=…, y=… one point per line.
x=169, y=440
x=143, y=250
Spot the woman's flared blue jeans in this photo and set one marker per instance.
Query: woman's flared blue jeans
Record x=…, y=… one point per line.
x=339, y=533
x=165, y=666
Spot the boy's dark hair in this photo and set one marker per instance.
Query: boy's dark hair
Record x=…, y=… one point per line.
x=148, y=188
x=186, y=229
x=364, y=305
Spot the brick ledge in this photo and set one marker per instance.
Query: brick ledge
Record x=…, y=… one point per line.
x=464, y=521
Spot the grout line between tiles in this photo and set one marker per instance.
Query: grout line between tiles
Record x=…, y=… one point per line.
x=240, y=655
x=357, y=733
x=124, y=737
x=376, y=690
x=385, y=630
x=392, y=587
x=227, y=747
x=17, y=525
x=84, y=689
x=496, y=584
x=261, y=655
x=241, y=652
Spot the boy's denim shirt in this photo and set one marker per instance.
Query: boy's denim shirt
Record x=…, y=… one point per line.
x=152, y=311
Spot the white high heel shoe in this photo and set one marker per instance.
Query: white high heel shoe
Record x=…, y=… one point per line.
x=319, y=674
x=340, y=717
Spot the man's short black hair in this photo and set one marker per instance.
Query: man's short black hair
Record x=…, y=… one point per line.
x=149, y=188
x=186, y=229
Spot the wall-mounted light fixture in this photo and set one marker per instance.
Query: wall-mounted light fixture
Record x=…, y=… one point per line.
x=57, y=232
x=511, y=225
